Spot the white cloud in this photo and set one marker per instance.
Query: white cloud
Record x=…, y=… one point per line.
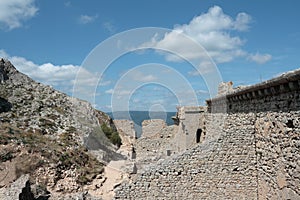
x=105, y=83
x=85, y=19
x=203, y=68
x=242, y=22
x=260, y=58
x=56, y=75
x=141, y=77
x=46, y=73
x=194, y=73
x=214, y=30
x=109, y=27
x=118, y=92
x=14, y=12
x=110, y=91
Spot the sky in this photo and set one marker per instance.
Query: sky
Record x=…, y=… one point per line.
x=149, y=55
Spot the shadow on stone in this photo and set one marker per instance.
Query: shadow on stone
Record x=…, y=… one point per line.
x=28, y=195
x=92, y=142
x=5, y=106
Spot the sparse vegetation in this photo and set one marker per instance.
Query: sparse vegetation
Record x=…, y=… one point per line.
x=112, y=135
x=41, y=150
x=5, y=156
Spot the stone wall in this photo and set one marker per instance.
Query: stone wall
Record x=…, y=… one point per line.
x=250, y=151
x=126, y=128
x=152, y=126
x=276, y=105
x=160, y=141
x=217, y=169
x=190, y=119
x=278, y=154
x=149, y=150
x=128, y=136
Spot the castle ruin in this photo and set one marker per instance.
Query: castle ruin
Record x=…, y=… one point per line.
x=245, y=146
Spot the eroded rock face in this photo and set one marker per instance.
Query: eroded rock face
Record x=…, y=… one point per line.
x=4, y=70
x=22, y=189
x=44, y=133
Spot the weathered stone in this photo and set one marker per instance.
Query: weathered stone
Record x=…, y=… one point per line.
x=249, y=153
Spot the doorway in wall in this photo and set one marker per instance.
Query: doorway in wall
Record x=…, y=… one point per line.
x=198, y=135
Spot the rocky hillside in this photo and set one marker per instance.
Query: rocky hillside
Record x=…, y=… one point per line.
x=51, y=141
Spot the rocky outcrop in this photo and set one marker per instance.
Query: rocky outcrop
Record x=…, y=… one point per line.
x=54, y=138
x=16, y=189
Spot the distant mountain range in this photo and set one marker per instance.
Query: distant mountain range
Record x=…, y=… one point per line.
x=139, y=116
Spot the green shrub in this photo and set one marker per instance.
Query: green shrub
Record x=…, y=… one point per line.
x=112, y=135
x=106, y=130
x=6, y=156
x=115, y=139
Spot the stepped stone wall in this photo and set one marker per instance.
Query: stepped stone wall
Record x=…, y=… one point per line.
x=250, y=151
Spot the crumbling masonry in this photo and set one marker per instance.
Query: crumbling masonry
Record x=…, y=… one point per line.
x=248, y=149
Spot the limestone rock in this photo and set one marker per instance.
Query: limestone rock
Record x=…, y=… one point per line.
x=55, y=138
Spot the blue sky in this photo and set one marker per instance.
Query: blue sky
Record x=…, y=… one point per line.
x=244, y=41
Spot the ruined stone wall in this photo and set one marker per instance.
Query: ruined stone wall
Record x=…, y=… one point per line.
x=278, y=154
x=149, y=150
x=126, y=128
x=217, y=169
x=276, y=106
x=152, y=126
x=250, y=151
x=127, y=133
x=190, y=119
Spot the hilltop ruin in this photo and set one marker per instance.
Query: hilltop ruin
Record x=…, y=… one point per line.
x=243, y=145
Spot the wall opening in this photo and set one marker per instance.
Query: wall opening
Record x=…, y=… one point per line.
x=290, y=124
x=133, y=153
x=168, y=152
x=198, y=135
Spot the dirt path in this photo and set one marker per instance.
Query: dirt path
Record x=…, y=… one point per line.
x=114, y=174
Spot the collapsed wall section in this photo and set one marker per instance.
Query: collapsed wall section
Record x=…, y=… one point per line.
x=223, y=167
x=251, y=150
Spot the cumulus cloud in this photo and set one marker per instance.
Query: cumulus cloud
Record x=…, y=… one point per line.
x=46, y=73
x=141, y=76
x=260, y=58
x=212, y=30
x=61, y=76
x=204, y=67
x=85, y=19
x=14, y=12
x=215, y=31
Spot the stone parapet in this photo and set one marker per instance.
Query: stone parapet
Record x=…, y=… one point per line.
x=281, y=93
